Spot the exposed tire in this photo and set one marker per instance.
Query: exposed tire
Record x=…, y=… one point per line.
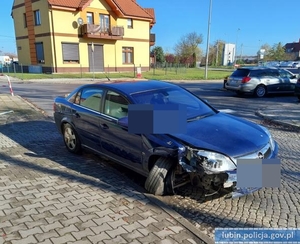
x=159, y=182
x=260, y=91
x=71, y=139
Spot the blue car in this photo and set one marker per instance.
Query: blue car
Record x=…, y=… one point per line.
x=96, y=117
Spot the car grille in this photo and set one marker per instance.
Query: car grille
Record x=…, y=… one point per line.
x=263, y=153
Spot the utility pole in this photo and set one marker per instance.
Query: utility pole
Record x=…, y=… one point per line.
x=208, y=35
x=241, y=51
x=217, y=55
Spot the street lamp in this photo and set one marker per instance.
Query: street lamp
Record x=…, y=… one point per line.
x=236, y=45
x=208, y=34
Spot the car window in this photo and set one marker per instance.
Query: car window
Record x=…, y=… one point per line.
x=240, y=73
x=90, y=98
x=194, y=106
x=285, y=74
x=115, y=105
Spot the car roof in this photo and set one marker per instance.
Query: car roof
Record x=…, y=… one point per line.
x=257, y=67
x=130, y=87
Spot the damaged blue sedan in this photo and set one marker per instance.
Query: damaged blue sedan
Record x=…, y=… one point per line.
x=96, y=117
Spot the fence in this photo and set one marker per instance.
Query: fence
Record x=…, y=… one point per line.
x=169, y=67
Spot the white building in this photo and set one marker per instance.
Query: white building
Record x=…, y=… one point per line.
x=229, y=54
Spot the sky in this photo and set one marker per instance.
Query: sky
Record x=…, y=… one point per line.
x=247, y=23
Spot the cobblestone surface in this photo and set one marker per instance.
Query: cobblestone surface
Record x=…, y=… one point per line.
x=48, y=195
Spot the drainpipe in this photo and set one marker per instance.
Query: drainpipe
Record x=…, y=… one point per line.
x=53, y=39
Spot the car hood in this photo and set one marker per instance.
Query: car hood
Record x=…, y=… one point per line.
x=224, y=133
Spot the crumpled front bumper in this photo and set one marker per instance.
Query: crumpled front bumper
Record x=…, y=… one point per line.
x=241, y=191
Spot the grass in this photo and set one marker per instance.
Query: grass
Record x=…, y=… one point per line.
x=153, y=74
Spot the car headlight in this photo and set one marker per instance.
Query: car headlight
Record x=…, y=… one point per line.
x=215, y=162
x=271, y=140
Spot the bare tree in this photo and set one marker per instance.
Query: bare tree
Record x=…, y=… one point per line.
x=187, y=48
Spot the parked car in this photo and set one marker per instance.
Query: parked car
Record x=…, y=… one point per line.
x=95, y=117
x=296, y=65
x=297, y=88
x=261, y=81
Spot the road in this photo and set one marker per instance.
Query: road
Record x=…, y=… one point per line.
x=269, y=207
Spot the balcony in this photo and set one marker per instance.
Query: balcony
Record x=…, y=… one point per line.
x=95, y=31
x=152, y=39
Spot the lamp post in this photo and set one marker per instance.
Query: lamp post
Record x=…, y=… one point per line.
x=208, y=35
x=236, y=45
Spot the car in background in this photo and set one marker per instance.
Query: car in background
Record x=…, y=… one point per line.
x=96, y=117
x=261, y=81
x=297, y=88
x=296, y=65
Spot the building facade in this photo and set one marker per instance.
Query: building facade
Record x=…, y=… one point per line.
x=229, y=54
x=83, y=35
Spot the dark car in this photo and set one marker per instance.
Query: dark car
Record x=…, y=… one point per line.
x=297, y=88
x=261, y=81
x=95, y=117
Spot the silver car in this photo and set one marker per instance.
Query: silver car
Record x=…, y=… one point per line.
x=261, y=81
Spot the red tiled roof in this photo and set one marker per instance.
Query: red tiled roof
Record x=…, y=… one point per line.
x=124, y=8
x=70, y=3
x=131, y=8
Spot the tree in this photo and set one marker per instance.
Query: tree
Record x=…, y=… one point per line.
x=277, y=52
x=158, y=53
x=216, y=53
x=267, y=49
x=187, y=48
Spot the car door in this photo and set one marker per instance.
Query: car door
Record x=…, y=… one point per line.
x=86, y=116
x=116, y=142
x=272, y=80
x=288, y=80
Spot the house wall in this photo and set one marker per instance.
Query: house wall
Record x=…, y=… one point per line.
x=59, y=26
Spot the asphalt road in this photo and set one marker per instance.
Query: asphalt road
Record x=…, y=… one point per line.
x=270, y=207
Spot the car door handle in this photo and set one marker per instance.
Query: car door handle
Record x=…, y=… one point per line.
x=77, y=115
x=104, y=126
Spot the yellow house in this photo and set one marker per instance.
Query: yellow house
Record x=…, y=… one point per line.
x=83, y=35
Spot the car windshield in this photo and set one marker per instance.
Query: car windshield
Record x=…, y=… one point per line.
x=196, y=108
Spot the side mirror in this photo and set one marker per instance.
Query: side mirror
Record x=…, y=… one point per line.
x=123, y=122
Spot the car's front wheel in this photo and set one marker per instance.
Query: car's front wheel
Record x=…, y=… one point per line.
x=160, y=179
x=71, y=139
x=260, y=91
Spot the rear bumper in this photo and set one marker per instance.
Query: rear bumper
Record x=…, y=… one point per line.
x=247, y=88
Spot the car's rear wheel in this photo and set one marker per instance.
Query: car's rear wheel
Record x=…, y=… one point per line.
x=160, y=179
x=260, y=91
x=71, y=139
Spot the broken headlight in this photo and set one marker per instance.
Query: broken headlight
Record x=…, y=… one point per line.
x=215, y=162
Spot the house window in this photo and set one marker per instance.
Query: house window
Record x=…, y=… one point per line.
x=37, y=17
x=25, y=20
x=90, y=18
x=104, y=22
x=127, y=55
x=129, y=23
x=70, y=52
x=39, y=49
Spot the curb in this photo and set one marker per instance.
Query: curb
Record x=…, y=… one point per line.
x=260, y=114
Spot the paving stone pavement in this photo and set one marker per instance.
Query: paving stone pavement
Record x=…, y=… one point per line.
x=48, y=195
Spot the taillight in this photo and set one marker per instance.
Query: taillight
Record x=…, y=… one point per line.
x=246, y=79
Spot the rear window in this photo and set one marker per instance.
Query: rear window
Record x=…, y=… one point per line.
x=240, y=73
